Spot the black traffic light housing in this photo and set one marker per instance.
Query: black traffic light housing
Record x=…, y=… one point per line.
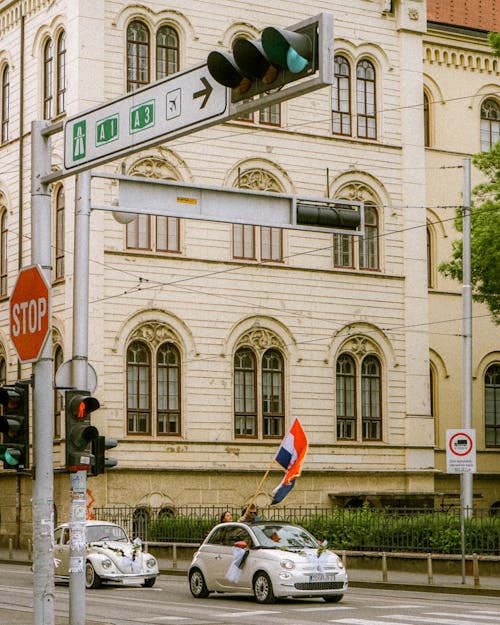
x=14, y=426
x=79, y=432
x=337, y=215
x=100, y=463
x=279, y=57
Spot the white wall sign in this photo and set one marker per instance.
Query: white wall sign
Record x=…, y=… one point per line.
x=461, y=451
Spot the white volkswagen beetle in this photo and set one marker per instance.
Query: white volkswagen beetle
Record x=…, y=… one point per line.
x=269, y=560
x=111, y=556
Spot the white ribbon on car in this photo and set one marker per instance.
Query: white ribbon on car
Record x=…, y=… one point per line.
x=233, y=573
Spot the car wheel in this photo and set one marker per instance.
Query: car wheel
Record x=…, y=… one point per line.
x=197, y=584
x=333, y=598
x=262, y=588
x=149, y=583
x=92, y=580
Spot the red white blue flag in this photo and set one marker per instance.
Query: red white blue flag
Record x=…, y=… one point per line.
x=290, y=456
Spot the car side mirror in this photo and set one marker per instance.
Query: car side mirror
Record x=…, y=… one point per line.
x=241, y=544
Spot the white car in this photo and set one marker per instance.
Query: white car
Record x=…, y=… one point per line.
x=269, y=560
x=111, y=556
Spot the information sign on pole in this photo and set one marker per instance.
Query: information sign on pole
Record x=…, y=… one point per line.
x=461, y=451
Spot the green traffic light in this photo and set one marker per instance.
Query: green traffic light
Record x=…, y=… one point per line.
x=295, y=62
x=10, y=456
x=287, y=49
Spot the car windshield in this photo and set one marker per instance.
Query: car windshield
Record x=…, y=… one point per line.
x=284, y=536
x=103, y=533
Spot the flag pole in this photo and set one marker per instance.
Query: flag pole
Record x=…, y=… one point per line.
x=252, y=501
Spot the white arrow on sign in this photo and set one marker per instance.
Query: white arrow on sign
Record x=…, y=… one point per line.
x=146, y=117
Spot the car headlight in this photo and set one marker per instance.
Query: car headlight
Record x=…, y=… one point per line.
x=106, y=563
x=151, y=562
x=287, y=564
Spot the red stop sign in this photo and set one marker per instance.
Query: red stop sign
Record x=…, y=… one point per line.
x=29, y=313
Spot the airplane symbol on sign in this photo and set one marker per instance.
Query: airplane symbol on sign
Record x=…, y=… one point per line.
x=173, y=103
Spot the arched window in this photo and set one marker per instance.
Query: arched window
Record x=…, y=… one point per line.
x=59, y=238
x=490, y=124
x=272, y=393
x=167, y=52
x=140, y=523
x=138, y=55
x=358, y=397
x=430, y=259
x=258, y=393
x=168, y=389
x=492, y=406
x=427, y=121
x=61, y=73
x=245, y=393
x=341, y=97
x=371, y=416
x=346, y=397
x=138, y=389
x=3, y=252
x=365, y=100
x=368, y=244
x=5, y=103
x=48, y=70
x=58, y=398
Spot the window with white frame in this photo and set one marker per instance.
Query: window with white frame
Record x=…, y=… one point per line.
x=490, y=124
x=5, y=105
x=54, y=76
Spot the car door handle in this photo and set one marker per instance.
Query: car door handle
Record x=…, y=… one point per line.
x=218, y=557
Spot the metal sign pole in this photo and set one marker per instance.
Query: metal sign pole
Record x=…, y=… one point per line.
x=79, y=380
x=43, y=398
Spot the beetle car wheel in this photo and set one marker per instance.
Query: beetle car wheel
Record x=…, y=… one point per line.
x=333, y=598
x=92, y=580
x=150, y=582
x=263, y=589
x=197, y=584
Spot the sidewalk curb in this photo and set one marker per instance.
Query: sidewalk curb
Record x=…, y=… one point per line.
x=485, y=591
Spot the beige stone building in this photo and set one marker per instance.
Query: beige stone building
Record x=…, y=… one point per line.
x=209, y=338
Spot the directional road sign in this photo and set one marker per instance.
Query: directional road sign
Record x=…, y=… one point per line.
x=29, y=313
x=171, y=107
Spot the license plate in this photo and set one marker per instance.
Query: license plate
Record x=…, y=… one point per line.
x=321, y=577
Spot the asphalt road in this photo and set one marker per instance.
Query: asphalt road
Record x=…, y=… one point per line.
x=170, y=603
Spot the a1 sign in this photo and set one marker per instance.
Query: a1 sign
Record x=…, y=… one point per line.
x=461, y=451
x=29, y=313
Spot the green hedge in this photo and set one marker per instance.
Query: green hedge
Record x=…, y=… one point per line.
x=364, y=529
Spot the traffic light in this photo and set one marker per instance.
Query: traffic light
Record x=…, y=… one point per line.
x=335, y=215
x=79, y=431
x=99, y=461
x=14, y=426
x=279, y=57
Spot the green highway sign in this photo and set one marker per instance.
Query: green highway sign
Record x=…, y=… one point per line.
x=168, y=108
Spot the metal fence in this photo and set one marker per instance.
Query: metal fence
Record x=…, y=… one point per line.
x=363, y=529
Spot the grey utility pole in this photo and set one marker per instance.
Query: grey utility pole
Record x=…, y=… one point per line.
x=79, y=380
x=43, y=396
x=466, y=478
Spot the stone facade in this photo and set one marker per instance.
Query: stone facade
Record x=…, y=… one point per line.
x=207, y=303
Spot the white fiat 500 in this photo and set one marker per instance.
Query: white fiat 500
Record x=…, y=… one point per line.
x=111, y=556
x=268, y=560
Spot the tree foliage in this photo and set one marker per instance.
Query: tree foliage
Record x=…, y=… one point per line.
x=485, y=235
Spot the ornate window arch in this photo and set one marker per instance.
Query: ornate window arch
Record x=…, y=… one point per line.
x=365, y=252
x=258, y=242
x=259, y=385
x=159, y=233
x=358, y=381
x=154, y=375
